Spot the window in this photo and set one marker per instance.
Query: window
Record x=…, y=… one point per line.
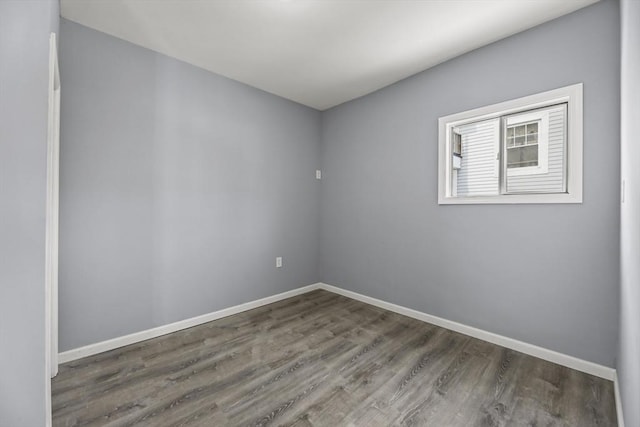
x=522, y=146
x=528, y=150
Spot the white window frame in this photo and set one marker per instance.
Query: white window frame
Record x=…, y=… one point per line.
x=571, y=95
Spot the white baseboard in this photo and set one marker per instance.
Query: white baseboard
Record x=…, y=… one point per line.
x=616, y=390
x=523, y=347
x=90, y=350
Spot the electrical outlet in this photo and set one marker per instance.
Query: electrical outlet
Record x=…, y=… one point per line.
x=318, y=174
x=279, y=262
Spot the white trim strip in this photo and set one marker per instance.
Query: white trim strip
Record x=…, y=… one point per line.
x=51, y=227
x=91, y=349
x=616, y=391
x=523, y=347
x=530, y=349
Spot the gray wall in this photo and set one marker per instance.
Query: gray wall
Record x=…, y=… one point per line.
x=178, y=190
x=629, y=350
x=544, y=274
x=24, y=70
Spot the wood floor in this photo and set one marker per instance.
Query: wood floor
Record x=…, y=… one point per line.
x=321, y=359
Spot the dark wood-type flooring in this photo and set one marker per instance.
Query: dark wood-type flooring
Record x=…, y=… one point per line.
x=321, y=359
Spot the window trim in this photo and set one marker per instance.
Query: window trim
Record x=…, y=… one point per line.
x=572, y=95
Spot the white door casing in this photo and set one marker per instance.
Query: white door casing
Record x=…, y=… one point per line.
x=51, y=240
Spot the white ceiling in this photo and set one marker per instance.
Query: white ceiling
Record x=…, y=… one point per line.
x=319, y=53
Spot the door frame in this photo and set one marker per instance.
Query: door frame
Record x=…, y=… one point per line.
x=51, y=226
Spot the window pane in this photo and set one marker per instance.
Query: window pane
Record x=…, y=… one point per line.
x=457, y=143
x=532, y=138
x=538, y=166
x=520, y=157
x=478, y=173
x=532, y=133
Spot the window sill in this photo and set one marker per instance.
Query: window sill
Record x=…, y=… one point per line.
x=508, y=199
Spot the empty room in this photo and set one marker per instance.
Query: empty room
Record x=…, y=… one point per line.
x=319, y=213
